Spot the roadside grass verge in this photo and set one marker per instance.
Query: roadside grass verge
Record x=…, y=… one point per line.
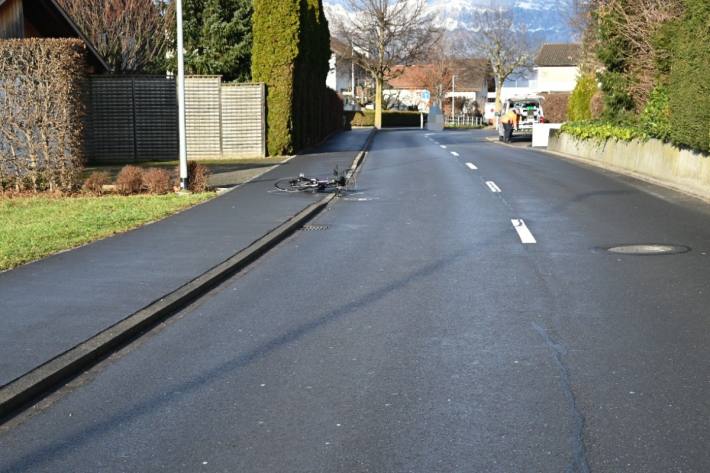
x=37, y=226
x=215, y=166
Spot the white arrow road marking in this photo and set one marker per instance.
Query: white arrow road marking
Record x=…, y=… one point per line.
x=492, y=186
x=524, y=232
x=455, y=153
x=471, y=166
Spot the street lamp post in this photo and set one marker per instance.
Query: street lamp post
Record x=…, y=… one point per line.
x=181, y=98
x=453, y=91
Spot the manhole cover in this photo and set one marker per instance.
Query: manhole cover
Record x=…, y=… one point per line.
x=313, y=228
x=649, y=249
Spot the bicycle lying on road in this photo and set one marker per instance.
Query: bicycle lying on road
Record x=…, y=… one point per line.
x=312, y=184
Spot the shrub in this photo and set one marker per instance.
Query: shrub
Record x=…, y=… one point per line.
x=42, y=111
x=655, y=119
x=197, y=176
x=579, y=106
x=596, y=106
x=602, y=131
x=618, y=103
x=95, y=182
x=157, y=181
x=555, y=106
x=689, y=88
x=389, y=118
x=130, y=180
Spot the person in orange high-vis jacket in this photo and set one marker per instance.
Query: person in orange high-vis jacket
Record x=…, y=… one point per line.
x=509, y=120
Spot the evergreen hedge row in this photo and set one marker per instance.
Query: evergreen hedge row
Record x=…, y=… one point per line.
x=689, y=82
x=389, y=118
x=290, y=55
x=276, y=27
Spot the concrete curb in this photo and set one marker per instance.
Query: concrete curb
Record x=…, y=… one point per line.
x=37, y=383
x=705, y=197
x=615, y=169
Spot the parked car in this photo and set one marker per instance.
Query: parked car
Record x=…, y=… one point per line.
x=529, y=110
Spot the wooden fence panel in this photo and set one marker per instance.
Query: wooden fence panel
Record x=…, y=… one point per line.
x=156, y=119
x=203, y=117
x=135, y=118
x=243, y=120
x=111, y=129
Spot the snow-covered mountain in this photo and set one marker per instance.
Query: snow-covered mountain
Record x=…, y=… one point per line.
x=546, y=20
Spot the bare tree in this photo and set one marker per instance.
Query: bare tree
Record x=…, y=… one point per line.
x=504, y=42
x=130, y=34
x=385, y=36
x=638, y=23
x=437, y=75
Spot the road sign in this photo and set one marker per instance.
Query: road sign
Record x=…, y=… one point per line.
x=426, y=95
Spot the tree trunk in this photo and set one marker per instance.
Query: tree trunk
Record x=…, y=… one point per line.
x=499, y=105
x=378, y=102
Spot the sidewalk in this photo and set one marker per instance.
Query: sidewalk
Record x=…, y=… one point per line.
x=53, y=304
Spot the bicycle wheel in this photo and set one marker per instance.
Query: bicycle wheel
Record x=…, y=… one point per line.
x=295, y=184
x=288, y=184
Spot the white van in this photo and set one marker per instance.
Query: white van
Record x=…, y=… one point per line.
x=530, y=111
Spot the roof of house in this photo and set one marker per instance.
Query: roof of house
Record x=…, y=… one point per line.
x=52, y=21
x=559, y=55
x=472, y=75
x=339, y=47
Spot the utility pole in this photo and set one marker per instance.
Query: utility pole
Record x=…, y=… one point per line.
x=453, y=90
x=181, y=98
x=352, y=73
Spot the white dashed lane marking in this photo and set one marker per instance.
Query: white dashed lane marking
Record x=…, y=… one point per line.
x=443, y=146
x=455, y=153
x=524, y=232
x=471, y=166
x=493, y=186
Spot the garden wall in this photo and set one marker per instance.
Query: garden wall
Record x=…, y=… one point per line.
x=651, y=160
x=136, y=118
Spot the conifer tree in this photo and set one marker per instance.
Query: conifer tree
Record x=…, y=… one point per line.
x=218, y=38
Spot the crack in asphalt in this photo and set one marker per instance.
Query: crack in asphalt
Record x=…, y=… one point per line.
x=579, y=460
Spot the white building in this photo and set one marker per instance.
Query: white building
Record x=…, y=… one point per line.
x=467, y=81
x=344, y=76
x=557, y=68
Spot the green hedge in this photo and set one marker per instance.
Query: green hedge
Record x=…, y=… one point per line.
x=389, y=118
x=276, y=28
x=290, y=54
x=689, y=82
x=579, y=106
x=599, y=130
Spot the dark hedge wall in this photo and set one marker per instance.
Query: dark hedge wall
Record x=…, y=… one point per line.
x=276, y=26
x=389, y=118
x=689, y=84
x=290, y=55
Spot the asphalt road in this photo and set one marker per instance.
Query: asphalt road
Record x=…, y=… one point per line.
x=53, y=304
x=413, y=330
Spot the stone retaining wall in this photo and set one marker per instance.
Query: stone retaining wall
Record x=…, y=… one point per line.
x=651, y=160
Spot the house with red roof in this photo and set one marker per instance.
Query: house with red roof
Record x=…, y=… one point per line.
x=467, y=81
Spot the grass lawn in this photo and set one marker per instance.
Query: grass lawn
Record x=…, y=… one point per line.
x=35, y=227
